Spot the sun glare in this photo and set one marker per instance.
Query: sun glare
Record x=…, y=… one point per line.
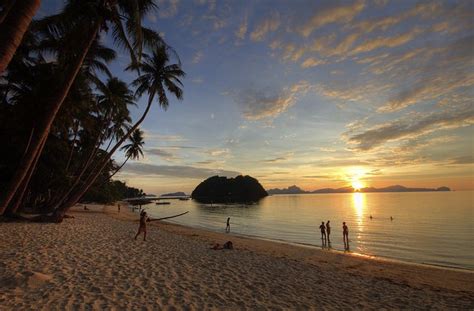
x=355, y=176
x=357, y=185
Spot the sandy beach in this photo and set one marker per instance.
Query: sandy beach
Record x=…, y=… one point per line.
x=92, y=262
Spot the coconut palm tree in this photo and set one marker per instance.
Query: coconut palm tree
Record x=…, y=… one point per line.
x=133, y=150
x=157, y=78
x=82, y=21
x=15, y=18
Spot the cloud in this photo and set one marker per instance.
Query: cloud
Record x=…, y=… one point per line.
x=465, y=159
x=197, y=57
x=242, y=30
x=257, y=104
x=268, y=25
x=282, y=158
x=312, y=62
x=390, y=42
x=168, y=8
x=156, y=137
x=445, y=70
x=178, y=171
x=336, y=14
x=166, y=155
x=427, y=89
x=408, y=128
x=218, y=152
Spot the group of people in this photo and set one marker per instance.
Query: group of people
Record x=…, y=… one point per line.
x=324, y=227
x=326, y=233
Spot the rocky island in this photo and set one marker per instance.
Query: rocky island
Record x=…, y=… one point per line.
x=218, y=189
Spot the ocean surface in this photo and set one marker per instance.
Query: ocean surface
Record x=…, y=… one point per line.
x=435, y=228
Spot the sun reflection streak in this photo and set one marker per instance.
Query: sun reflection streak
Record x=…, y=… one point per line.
x=358, y=201
x=359, y=204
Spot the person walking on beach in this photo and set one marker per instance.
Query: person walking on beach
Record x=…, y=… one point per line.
x=118, y=207
x=142, y=227
x=328, y=231
x=345, y=235
x=227, y=228
x=323, y=232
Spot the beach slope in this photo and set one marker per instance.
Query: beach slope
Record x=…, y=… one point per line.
x=92, y=262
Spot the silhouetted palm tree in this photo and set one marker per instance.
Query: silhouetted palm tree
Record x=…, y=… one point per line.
x=157, y=78
x=15, y=18
x=133, y=150
x=82, y=21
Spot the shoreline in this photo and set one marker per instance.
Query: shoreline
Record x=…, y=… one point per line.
x=93, y=262
x=443, y=277
x=316, y=247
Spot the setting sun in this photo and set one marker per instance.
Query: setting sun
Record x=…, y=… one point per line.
x=357, y=184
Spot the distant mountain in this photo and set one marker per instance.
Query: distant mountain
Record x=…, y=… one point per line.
x=397, y=188
x=290, y=190
x=174, y=194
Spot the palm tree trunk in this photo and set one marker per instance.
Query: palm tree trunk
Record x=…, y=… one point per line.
x=7, y=5
x=13, y=27
x=76, y=130
x=61, y=211
x=44, y=126
x=118, y=169
x=99, y=140
x=24, y=186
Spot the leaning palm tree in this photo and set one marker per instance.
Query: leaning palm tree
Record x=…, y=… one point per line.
x=15, y=18
x=82, y=21
x=157, y=78
x=133, y=150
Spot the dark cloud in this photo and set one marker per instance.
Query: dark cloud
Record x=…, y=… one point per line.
x=317, y=176
x=160, y=153
x=260, y=104
x=466, y=159
x=412, y=127
x=175, y=171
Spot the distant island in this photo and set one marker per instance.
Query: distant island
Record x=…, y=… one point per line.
x=241, y=189
x=174, y=194
x=397, y=188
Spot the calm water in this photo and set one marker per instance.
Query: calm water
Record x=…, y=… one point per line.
x=429, y=227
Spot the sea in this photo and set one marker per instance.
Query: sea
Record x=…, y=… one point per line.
x=433, y=228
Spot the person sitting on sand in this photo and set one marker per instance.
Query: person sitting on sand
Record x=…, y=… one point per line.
x=227, y=228
x=142, y=227
x=227, y=245
x=345, y=235
x=323, y=232
x=328, y=230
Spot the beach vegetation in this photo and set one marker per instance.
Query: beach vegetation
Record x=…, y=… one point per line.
x=64, y=114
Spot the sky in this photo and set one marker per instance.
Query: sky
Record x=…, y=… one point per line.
x=311, y=93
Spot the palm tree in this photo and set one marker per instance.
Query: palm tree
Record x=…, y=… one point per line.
x=157, y=78
x=133, y=150
x=82, y=21
x=15, y=18
x=112, y=106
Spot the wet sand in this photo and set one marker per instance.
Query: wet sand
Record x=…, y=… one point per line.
x=92, y=262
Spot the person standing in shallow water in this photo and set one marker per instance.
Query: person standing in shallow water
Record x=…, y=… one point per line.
x=328, y=231
x=345, y=235
x=227, y=228
x=323, y=232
